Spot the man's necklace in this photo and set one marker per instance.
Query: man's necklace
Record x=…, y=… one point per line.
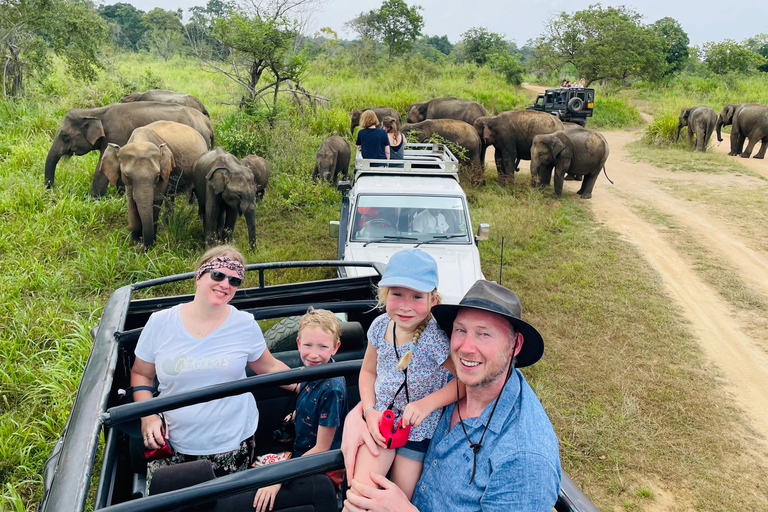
x=475, y=447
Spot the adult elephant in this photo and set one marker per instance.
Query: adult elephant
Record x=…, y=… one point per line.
x=726, y=118
x=331, y=159
x=511, y=133
x=458, y=132
x=447, y=107
x=577, y=152
x=165, y=96
x=155, y=163
x=88, y=129
x=479, y=126
x=381, y=113
x=260, y=169
x=749, y=122
x=701, y=122
x=225, y=189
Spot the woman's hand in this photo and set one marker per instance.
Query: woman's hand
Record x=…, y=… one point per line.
x=415, y=413
x=152, y=432
x=265, y=497
x=372, y=420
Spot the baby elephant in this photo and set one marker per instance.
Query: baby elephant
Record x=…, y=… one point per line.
x=577, y=152
x=332, y=157
x=260, y=169
x=701, y=122
x=225, y=189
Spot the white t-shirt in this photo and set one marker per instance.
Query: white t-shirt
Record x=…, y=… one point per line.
x=184, y=363
x=425, y=222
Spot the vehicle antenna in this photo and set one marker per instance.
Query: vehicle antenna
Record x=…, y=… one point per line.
x=501, y=263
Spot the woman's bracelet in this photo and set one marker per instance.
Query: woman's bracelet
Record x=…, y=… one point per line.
x=367, y=410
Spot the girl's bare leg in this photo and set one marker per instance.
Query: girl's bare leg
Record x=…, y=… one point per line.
x=406, y=473
x=366, y=463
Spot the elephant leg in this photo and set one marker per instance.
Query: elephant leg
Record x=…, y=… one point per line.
x=761, y=154
x=589, y=184
x=211, y=220
x=250, y=222
x=690, y=136
x=508, y=158
x=748, y=150
x=229, y=225
x=517, y=164
x=558, y=185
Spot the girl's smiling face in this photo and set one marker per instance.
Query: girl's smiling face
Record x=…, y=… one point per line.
x=408, y=307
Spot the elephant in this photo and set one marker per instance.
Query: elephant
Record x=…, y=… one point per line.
x=726, y=118
x=225, y=189
x=447, y=107
x=381, y=113
x=701, y=122
x=479, y=126
x=454, y=131
x=332, y=158
x=578, y=152
x=260, y=169
x=154, y=164
x=511, y=133
x=90, y=129
x=164, y=96
x=749, y=122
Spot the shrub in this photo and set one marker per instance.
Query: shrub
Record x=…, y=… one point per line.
x=614, y=112
x=661, y=132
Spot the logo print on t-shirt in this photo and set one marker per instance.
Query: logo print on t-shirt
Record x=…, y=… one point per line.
x=181, y=363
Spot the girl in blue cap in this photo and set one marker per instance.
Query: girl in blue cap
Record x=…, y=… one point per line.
x=406, y=369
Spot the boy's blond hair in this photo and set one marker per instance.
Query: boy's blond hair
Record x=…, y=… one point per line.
x=323, y=319
x=382, y=294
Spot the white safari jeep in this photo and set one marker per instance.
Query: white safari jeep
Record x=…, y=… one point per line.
x=416, y=202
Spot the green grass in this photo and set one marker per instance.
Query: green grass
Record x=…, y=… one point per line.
x=613, y=112
x=680, y=158
x=621, y=378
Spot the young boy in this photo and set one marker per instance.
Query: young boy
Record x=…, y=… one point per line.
x=322, y=404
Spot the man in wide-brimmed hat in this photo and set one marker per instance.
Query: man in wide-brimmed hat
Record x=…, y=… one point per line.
x=493, y=450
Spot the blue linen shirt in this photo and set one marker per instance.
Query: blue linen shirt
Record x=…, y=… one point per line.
x=518, y=467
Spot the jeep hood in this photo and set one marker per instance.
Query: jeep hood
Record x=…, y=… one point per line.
x=455, y=264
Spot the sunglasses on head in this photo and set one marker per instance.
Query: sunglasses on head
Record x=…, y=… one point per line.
x=219, y=276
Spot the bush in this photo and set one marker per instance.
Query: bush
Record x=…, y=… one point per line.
x=613, y=112
x=661, y=132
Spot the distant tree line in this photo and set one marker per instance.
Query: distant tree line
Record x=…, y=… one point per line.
x=262, y=44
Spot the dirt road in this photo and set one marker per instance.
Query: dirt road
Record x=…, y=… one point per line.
x=734, y=339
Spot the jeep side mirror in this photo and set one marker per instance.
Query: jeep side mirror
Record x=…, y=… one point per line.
x=344, y=186
x=482, y=232
x=333, y=229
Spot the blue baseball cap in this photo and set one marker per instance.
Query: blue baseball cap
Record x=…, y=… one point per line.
x=411, y=268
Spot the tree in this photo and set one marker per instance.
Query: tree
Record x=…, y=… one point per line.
x=127, y=28
x=507, y=65
x=33, y=29
x=479, y=44
x=394, y=24
x=759, y=45
x=675, y=43
x=602, y=43
x=728, y=55
x=164, y=31
x=440, y=43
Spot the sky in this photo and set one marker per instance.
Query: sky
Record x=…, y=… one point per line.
x=703, y=20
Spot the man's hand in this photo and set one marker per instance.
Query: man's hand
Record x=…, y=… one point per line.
x=389, y=498
x=355, y=435
x=265, y=497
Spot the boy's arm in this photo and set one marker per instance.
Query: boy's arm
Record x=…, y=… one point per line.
x=416, y=412
x=324, y=440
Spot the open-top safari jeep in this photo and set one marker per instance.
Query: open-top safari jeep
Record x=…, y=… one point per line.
x=98, y=407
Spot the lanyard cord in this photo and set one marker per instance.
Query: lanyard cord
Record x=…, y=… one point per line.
x=478, y=445
x=405, y=371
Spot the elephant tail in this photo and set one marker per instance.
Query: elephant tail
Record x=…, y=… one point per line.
x=606, y=175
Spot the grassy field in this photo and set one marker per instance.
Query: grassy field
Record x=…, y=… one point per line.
x=621, y=378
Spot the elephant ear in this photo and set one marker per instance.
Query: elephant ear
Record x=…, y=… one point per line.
x=559, y=149
x=93, y=130
x=685, y=113
x=110, y=164
x=729, y=111
x=166, y=161
x=217, y=179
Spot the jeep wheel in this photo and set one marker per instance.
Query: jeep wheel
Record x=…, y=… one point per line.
x=575, y=104
x=282, y=336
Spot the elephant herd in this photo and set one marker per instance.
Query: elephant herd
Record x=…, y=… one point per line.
x=159, y=144
x=540, y=137
x=747, y=120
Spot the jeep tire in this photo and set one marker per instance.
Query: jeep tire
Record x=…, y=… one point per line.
x=281, y=337
x=575, y=104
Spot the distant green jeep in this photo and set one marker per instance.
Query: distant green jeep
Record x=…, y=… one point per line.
x=570, y=104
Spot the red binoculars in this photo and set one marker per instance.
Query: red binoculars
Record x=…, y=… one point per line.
x=395, y=435
x=163, y=452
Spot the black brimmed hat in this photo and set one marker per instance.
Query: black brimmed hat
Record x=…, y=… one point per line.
x=494, y=298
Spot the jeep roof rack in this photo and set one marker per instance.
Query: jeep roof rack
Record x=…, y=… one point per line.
x=420, y=159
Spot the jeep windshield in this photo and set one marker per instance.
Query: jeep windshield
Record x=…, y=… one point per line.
x=393, y=218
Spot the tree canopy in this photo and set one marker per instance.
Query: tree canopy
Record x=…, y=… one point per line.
x=728, y=55
x=127, y=26
x=602, y=43
x=480, y=44
x=675, y=43
x=395, y=24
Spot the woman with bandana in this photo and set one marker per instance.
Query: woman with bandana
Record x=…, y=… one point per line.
x=198, y=344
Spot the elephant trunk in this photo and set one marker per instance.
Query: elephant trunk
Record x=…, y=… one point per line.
x=719, y=125
x=352, y=128
x=52, y=160
x=146, y=209
x=677, y=136
x=250, y=221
